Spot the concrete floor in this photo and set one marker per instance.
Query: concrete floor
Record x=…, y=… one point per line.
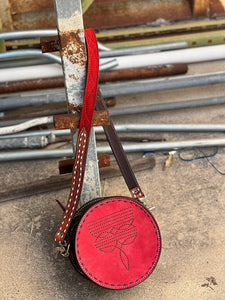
x=189, y=207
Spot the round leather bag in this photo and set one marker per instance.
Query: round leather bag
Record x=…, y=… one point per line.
x=115, y=242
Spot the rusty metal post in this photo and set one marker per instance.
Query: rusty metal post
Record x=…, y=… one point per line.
x=74, y=58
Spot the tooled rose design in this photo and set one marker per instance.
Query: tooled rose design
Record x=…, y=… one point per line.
x=114, y=231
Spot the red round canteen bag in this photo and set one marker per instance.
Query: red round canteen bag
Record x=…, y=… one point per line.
x=115, y=242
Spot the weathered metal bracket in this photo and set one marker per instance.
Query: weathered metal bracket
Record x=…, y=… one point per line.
x=100, y=118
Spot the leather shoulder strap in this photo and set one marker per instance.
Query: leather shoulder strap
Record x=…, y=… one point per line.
x=119, y=153
x=83, y=135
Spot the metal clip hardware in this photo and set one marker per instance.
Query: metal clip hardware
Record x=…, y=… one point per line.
x=141, y=199
x=63, y=249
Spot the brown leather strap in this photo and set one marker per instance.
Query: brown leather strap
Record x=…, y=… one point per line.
x=83, y=135
x=119, y=153
x=75, y=189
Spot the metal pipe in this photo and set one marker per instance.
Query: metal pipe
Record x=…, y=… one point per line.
x=127, y=128
x=131, y=74
x=136, y=147
x=110, y=64
x=141, y=73
x=165, y=106
x=189, y=55
x=12, y=103
x=45, y=132
x=27, y=34
x=31, y=142
x=143, y=49
x=167, y=128
x=37, y=33
x=149, y=85
x=31, y=99
x=25, y=125
x=14, y=54
x=213, y=53
x=127, y=88
x=24, y=62
x=159, y=146
x=102, y=47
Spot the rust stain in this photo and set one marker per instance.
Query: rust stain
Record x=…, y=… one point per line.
x=29, y=85
x=74, y=109
x=73, y=76
x=103, y=160
x=142, y=73
x=49, y=44
x=72, y=47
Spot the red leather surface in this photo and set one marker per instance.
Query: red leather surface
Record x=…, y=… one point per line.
x=91, y=81
x=118, y=243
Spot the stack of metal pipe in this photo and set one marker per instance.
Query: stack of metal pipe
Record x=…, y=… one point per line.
x=132, y=69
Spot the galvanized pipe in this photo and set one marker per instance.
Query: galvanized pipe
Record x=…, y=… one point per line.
x=165, y=106
x=27, y=34
x=143, y=49
x=14, y=54
x=159, y=146
x=24, y=62
x=30, y=142
x=26, y=53
x=127, y=88
x=149, y=85
x=37, y=33
x=127, y=128
x=136, y=147
x=113, y=112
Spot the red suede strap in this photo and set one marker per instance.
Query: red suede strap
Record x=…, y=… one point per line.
x=92, y=80
x=83, y=135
